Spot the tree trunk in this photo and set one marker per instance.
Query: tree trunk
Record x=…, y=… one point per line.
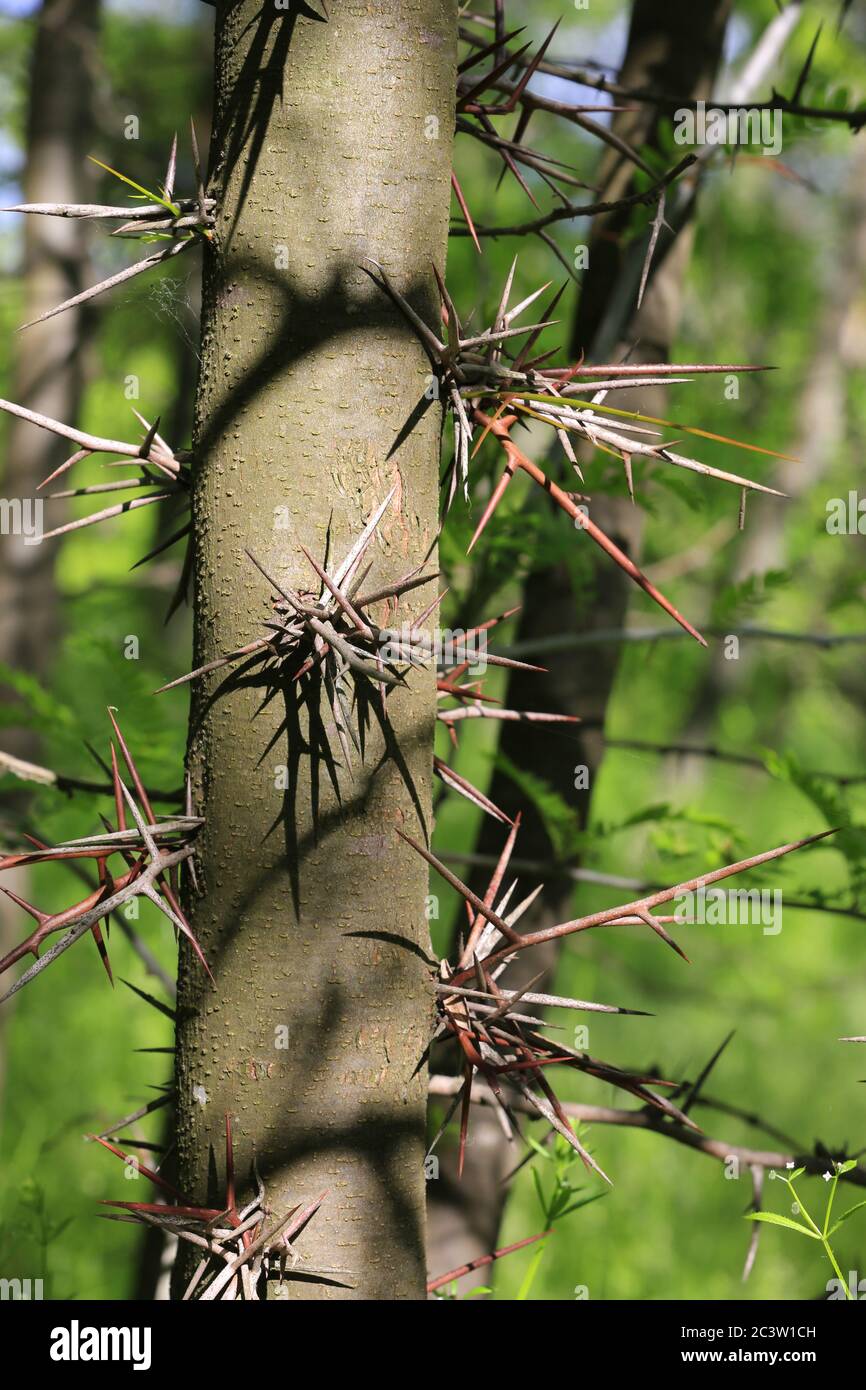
x=674, y=47
x=48, y=358
x=332, y=143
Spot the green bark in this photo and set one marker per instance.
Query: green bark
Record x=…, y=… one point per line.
x=311, y=910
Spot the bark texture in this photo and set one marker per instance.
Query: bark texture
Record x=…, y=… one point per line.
x=332, y=143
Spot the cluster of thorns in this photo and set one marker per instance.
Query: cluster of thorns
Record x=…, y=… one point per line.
x=491, y=389
x=487, y=387
x=328, y=634
x=240, y=1247
x=329, y=639
x=151, y=850
x=506, y=1047
x=160, y=216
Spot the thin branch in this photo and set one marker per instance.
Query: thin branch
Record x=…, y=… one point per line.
x=571, y=641
x=47, y=777
x=718, y=1149
x=571, y=210
x=549, y=869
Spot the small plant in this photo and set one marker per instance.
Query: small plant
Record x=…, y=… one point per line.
x=812, y=1230
x=560, y=1201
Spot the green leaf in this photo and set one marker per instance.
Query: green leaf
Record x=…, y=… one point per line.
x=539, y=1192
x=144, y=192
x=774, y=1220
x=529, y=1277
x=559, y=819
x=540, y=1149
x=581, y=1202
x=844, y=1217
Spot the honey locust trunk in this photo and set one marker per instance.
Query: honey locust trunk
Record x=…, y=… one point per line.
x=332, y=144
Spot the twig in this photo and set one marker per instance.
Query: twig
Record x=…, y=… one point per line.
x=441, y=1280
x=571, y=210
x=46, y=777
x=571, y=641
x=718, y=1149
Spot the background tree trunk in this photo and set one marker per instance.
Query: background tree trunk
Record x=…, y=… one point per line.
x=48, y=357
x=332, y=143
x=675, y=47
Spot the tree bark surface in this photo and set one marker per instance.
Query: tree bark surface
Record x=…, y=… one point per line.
x=332, y=144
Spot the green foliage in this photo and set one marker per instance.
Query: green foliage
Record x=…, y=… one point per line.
x=735, y=602
x=669, y=826
x=29, y=1225
x=557, y=1199
x=811, y=1230
x=828, y=798
x=559, y=818
x=38, y=707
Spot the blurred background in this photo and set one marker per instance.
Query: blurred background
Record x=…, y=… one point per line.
x=776, y=275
